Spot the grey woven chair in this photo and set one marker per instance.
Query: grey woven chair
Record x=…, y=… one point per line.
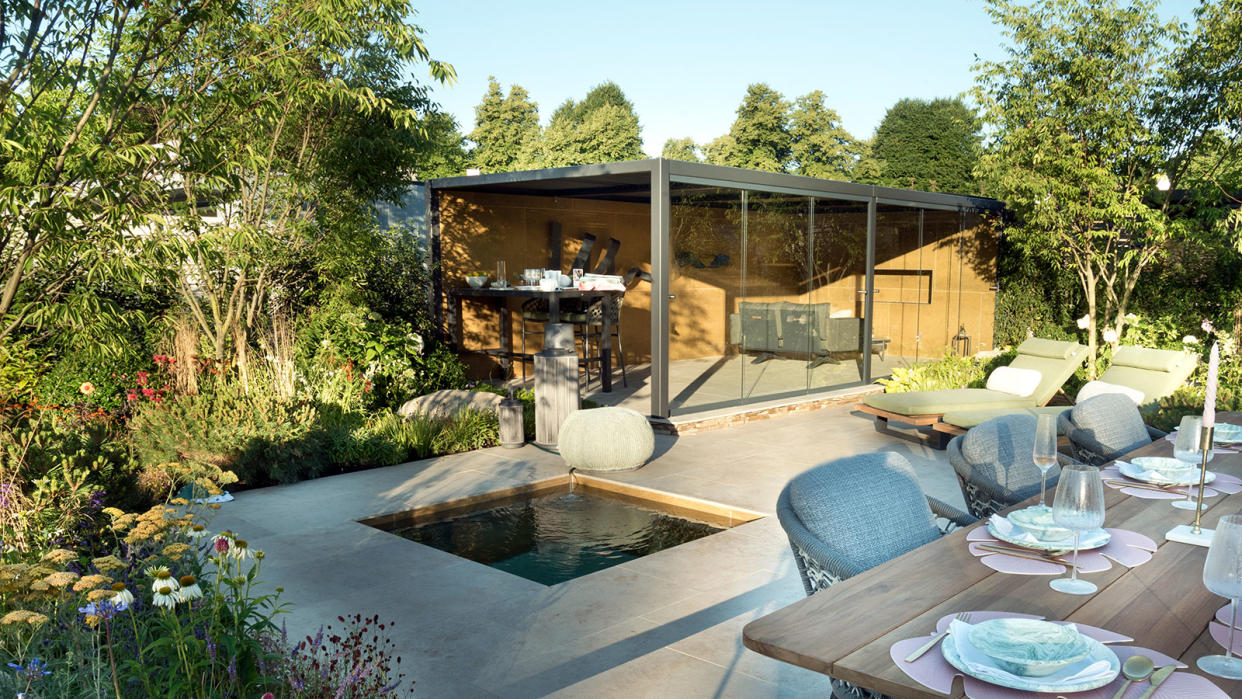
x=1103, y=428
x=830, y=515
x=994, y=465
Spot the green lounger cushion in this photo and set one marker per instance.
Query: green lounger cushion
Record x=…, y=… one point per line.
x=937, y=402
x=1050, y=349
x=1157, y=373
x=1168, y=361
x=1055, y=360
x=967, y=419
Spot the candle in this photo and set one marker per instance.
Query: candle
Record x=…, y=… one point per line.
x=1209, y=400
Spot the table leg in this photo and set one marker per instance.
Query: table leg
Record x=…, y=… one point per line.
x=554, y=308
x=506, y=335
x=605, y=348
x=456, y=321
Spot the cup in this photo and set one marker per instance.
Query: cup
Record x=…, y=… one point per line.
x=547, y=284
x=551, y=274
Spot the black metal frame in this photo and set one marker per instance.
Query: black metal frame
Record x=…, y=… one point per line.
x=650, y=181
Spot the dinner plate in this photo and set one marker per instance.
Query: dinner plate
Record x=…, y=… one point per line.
x=1093, y=539
x=1226, y=433
x=994, y=675
x=1129, y=470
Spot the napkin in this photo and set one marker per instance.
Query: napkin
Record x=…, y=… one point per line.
x=978, y=663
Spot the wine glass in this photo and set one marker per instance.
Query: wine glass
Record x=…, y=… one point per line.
x=1187, y=448
x=1078, y=506
x=1045, y=453
x=1222, y=574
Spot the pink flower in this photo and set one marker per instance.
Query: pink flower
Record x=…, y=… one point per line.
x=222, y=545
x=131, y=396
x=87, y=388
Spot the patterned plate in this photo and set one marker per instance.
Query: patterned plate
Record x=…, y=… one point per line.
x=997, y=676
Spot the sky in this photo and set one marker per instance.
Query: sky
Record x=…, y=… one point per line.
x=686, y=65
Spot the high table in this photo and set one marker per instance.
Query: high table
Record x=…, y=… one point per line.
x=846, y=630
x=499, y=299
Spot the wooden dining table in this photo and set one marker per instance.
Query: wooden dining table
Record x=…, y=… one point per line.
x=846, y=631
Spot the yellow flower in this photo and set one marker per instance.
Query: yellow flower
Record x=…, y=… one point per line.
x=108, y=564
x=59, y=556
x=214, y=505
x=92, y=620
x=123, y=521
x=179, y=501
x=40, y=586
x=17, y=616
x=61, y=579
x=99, y=595
x=113, y=512
x=88, y=582
x=176, y=551
x=36, y=619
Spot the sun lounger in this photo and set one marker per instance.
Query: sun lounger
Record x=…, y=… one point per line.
x=1153, y=373
x=1055, y=361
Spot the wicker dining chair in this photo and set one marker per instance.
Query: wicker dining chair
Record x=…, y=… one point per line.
x=1104, y=427
x=994, y=464
x=848, y=515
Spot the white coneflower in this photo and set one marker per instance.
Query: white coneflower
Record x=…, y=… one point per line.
x=1190, y=340
x=1110, y=336
x=241, y=550
x=1084, y=322
x=163, y=578
x=197, y=531
x=189, y=589
x=164, y=597
x=123, y=597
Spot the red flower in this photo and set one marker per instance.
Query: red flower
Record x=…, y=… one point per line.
x=148, y=392
x=141, y=377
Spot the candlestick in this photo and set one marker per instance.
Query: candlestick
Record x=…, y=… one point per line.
x=1209, y=399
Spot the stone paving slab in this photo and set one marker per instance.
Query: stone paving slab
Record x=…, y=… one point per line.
x=664, y=625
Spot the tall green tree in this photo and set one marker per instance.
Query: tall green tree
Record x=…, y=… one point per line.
x=681, y=149
x=505, y=126
x=759, y=138
x=819, y=146
x=1078, y=141
x=929, y=145
x=601, y=128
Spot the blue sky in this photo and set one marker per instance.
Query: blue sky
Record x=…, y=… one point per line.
x=686, y=65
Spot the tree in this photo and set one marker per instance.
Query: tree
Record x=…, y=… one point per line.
x=602, y=128
x=443, y=151
x=759, y=138
x=929, y=145
x=504, y=126
x=681, y=149
x=819, y=145
x=1076, y=143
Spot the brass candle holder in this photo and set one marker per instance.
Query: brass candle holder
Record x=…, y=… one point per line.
x=1205, y=441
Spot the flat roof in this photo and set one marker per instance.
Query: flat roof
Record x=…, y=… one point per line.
x=631, y=181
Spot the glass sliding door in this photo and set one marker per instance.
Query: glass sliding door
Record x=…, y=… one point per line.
x=837, y=288
x=903, y=287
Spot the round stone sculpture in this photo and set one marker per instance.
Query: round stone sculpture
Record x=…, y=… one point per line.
x=606, y=439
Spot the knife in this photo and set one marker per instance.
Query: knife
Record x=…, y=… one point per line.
x=1160, y=676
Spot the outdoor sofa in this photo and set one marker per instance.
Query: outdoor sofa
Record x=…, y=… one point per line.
x=768, y=329
x=1054, y=360
x=1146, y=375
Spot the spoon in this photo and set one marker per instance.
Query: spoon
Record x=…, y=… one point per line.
x=1136, y=668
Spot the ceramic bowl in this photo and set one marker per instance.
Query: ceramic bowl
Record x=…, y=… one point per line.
x=1163, y=466
x=1028, y=647
x=477, y=282
x=1037, y=521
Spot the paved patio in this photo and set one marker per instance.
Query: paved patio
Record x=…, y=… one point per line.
x=665, y=625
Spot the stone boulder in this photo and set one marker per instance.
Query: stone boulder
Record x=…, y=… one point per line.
x=448, y=402
x=606, y=439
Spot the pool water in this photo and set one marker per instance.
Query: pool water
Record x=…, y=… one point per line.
x=551, y=538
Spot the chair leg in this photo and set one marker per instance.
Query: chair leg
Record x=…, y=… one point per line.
x=523, y=357
x=621, y=356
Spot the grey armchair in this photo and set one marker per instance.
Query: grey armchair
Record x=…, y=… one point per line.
x=1103, y=428
x=994, y=465
x=829, y=514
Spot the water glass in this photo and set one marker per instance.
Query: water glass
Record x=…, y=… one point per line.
x=532, y=276
x=501, y=273
x=1045, y=452
x=1222, y=575
x=1078, y=506
x=1187, y=448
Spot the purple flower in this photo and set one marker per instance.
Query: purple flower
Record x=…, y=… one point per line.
x=34, y=670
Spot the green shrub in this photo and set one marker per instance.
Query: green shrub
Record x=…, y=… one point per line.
x=108, y=375
x=20, y=366
x=950, y=371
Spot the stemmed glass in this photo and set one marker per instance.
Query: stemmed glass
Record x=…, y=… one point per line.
x=1045, y=453
x=1222, y=575
x=1187, y=448
x=1078, y=506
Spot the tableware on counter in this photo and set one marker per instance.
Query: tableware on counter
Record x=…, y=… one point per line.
x=1044, y=454
x=1137, y=473
x=1157, y=679
x=1222, y=575
x=918, y=653
x=546, y=284
x=1136, y=668
x=1188, y=448
x=477, y=281
x=1078, y=506
x=1226, y=433
x=502, y=272
x=1098, y=668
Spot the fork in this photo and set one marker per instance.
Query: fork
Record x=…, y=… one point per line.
x=963, y=617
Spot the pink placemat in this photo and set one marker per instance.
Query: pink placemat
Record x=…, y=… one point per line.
x=934, y=672
x=1128, y=548
x=1224, y=483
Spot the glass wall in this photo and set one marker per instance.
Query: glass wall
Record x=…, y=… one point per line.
x=766, y=295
